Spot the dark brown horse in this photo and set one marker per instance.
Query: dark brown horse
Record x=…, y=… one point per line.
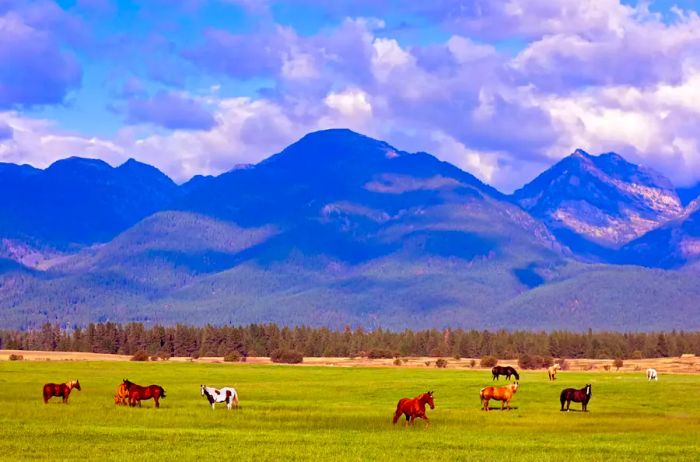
x=413, y=408
x=60, y=389
x=578, y=396
x=138, y=393
x=504, y=370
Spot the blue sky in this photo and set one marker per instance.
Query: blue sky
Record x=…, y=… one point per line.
x=501, y=89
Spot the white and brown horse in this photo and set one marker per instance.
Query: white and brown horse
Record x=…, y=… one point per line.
x=226, y=395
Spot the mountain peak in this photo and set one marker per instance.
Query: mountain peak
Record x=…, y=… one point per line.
x=79, y=163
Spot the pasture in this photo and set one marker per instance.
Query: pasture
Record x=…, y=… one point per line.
x=301, y=413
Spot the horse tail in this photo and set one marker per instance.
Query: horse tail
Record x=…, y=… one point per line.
x=162, y=392
x=562, y=398
x=398, y=412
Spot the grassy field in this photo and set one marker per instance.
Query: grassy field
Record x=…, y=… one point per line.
x=301, y=413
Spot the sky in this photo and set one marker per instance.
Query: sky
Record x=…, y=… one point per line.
x=502, y=89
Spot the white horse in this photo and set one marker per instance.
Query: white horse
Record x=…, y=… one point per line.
x=652, y=375
x=226, y=395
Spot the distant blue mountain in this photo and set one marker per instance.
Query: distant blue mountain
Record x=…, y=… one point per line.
x=78, y=201
x=595, y=204
x=339, y=229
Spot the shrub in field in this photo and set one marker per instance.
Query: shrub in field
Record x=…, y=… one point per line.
x=141, y=355
x=164, y=355
x=636, y=354
x=488, y=361
x=232, y=357
x=618, y=363
x=427, y=363
x=405, y=360
x=472, y=362
x=525, y=361
x=606, y=367
x=441, y=363
x=435, y=353
x=14, y=357
x=376, y=353
x=397, y=362
x=286, y=356
x=195, y=355
x=154, y=358
x=457, y=357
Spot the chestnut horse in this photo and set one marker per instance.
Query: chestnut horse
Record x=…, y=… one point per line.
x=137, y=393
x=504, y=370
x=414, y=408
x=60, y=389
x=122, y=395
x=502, y=394
x=578, y=396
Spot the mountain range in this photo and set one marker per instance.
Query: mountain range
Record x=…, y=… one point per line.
x=341, y=229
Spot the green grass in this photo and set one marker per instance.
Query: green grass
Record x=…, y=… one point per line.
x=301, y=413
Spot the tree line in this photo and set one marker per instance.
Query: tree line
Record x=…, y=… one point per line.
x=262, y=339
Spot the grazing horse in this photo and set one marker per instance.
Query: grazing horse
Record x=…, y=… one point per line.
x=60, y=389
x=552, y=371
x=137, y=393
x=122, y=395
x=502, y=394
x=578, y=396
x=504, y=370
x=226, y=395
x=652, y=375
x=414, y=408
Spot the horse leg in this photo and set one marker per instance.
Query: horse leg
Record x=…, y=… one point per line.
x=155, y=398
x=486, y=405
x=427, y=421
x=213, y=406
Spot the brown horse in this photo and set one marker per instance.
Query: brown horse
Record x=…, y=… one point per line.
x=138, y=393
x=582, y=396
x=122, y=395
x=60, y=389
x=414, y=408
x=502, y=394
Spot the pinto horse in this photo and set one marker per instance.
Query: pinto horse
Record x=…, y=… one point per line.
x=137, y=393
x=226, y=395
x=122, y=395
x=414, y=408
x=502, y=394
x=60, y=389
x=504, y=370
x=578, y=396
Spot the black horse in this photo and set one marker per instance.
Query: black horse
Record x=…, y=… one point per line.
x=505, y=370
x=582, y=396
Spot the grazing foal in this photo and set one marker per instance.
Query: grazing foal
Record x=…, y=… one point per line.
x=502, y=394
x=60, y=389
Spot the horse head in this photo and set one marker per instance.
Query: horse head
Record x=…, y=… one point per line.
x=201, y=389
x=77, y=384
x=588, y=389
x=127, y=384
x=515, y=387
x=429, y=399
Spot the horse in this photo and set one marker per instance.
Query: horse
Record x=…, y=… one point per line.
x=122, y=395
x=552, y=371
x=578, y=396
x=137, y=393
x=502, y=394
x=652, y=375
x=226, y=395
x=414, y=408
x=60, y=389
x=504, y=370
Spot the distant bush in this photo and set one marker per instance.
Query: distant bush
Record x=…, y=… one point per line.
x=397, y=362
x=154, y=358
x=286, y=356
x=405, y=360
x=195, y=355
x=526, y=361
x=488, y=361
x=376, y=353
x=441, y=363
x=457, y=357
x=472, y=362
x=15, y=357
x=164, y=355
x=428, y=363
x=141, y=355
x=232, y=357
x=547, y=361
x=618, y=363
x=606, y=367
x=636, y=354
